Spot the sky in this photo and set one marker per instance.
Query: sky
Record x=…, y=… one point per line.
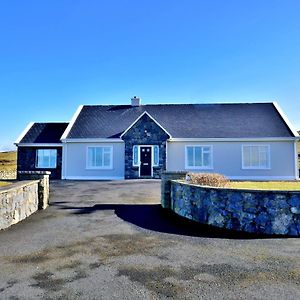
x=56, y=55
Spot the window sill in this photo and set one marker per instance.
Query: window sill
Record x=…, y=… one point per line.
x=199, y=168
x=100, y=168
x=255, y=168
x=46, y=168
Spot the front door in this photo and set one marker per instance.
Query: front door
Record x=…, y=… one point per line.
x=146, y=161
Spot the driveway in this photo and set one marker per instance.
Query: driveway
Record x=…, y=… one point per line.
x=111, y=240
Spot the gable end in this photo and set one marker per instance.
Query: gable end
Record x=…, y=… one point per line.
x=140, y=117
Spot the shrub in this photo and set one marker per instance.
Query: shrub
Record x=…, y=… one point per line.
x=210, y=179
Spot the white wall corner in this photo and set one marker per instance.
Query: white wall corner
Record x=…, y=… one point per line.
x=296, y=160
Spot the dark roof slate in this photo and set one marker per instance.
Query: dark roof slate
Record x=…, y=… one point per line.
x=243, y=120
x=44, y=133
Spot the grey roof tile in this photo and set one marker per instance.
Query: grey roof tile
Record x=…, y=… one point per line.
x=44, y=133
x=241, y=120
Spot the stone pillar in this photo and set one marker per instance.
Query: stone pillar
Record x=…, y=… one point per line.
x=43, y=186
x=166, y=178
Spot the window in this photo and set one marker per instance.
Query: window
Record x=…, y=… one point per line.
x=255, y=156
x=155, y=156
x=198, y=157
x=99, y=157
x=135, y=156
x=46, y=158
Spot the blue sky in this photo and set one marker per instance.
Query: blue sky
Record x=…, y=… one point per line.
x=55, y=55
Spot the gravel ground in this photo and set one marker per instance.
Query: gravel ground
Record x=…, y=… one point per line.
x=111, y=240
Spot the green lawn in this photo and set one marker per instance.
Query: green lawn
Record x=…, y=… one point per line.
x=266, y=185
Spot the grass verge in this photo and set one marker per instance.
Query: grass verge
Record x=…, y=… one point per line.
x=266, y=185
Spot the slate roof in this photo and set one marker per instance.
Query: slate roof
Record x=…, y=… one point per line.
x=44, y=133
x=243, y=120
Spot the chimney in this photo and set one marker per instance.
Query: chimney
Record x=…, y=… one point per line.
x=135, y=101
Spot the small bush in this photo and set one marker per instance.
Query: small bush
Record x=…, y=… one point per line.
x=210, y=179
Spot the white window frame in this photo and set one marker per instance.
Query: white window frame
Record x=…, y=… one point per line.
x=139, y=155
x=153, y=163
x=37, y=159
x=268, y=167
x=110, y=167
x=210, y=167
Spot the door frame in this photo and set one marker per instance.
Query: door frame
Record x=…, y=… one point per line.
x=139, y=158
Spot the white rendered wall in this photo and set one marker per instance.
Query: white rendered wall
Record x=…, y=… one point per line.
x=227, y=160
x=75, y=162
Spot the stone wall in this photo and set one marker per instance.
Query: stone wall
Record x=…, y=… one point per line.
x=144, y=132
x=166, y=178
x=21, y=199
x=43, y=186
x=266, y=212
x=27, y=160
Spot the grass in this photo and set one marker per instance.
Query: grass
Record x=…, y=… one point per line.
x=8, y=161
x=266, y=185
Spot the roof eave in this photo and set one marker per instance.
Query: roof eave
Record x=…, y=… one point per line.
x=72, y=122
x=92, y=140
x=24, y=132
x=245, y=139
x=285, y=119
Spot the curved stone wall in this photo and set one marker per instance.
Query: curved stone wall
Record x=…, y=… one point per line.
x=267, y=212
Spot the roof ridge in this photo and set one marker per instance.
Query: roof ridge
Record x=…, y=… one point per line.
x=177, y=104
x=51, y=122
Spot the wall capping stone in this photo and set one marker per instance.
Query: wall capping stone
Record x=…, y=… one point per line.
x=35, y=172
x=17, y=184
x=236, y=189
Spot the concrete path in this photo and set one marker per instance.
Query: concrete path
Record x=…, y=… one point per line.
x=111, y=240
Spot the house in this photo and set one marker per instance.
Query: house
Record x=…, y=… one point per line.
x=246, y=141
x=40, y=148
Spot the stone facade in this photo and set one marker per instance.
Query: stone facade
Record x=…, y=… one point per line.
x=266, y=212
x=166, y=178
x=21, y=199
x=27, y=160
x=144, y=132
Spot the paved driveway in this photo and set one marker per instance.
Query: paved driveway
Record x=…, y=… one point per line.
x=111, y=240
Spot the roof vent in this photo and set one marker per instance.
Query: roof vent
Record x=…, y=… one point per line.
x=135, y=101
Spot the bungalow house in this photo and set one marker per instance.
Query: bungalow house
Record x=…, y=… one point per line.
x=246, y=141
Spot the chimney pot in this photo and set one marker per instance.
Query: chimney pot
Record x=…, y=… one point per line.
x=135, y=101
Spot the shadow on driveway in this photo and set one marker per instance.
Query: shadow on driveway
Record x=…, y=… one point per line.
x=154, y=217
